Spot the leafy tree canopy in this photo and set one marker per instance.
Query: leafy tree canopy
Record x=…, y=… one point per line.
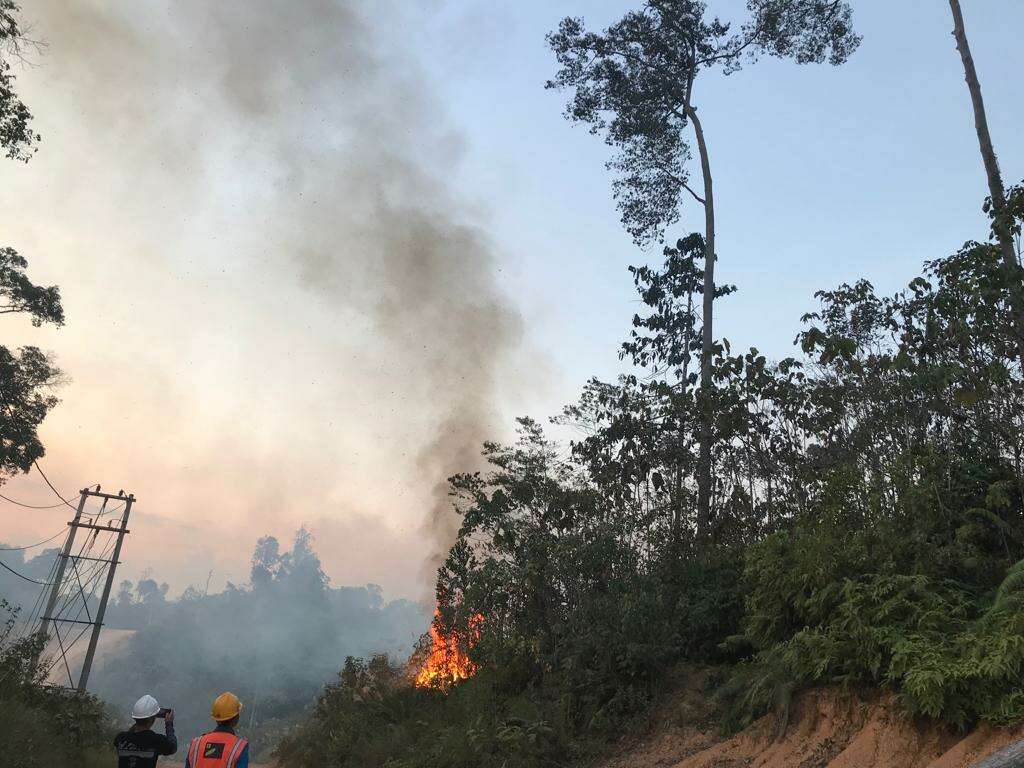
x=633, y=84
x=18, y=294
x=17, y=139
x=27, y=376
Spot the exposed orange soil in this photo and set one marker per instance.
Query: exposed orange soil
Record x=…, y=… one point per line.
x=825, y=729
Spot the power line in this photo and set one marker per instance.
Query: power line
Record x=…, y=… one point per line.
x=40, y=469
x=63, y=655
x=30, y=625
x=6, y=567
x=118, y=508
x=30, y=506
x=91, y=578
x=31, y=546
x=66, y=590
x=76, y=584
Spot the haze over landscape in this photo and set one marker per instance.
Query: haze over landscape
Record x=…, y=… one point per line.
x=592, y=383
x=306, y=264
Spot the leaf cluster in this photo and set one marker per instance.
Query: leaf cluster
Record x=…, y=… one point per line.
x=17, y=138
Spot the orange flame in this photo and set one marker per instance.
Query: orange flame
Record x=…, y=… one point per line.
x=448, y=661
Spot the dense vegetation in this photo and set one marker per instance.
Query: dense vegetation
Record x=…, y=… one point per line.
x=43, y=726
x=853, y=514
x=868, y=528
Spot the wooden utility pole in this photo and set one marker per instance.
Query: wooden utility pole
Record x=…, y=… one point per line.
x=83, y=679
x=44, y=628
x=70, y=596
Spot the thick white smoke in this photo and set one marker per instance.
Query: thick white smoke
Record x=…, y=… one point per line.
x=279, y=311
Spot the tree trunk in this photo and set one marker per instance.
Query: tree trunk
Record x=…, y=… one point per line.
x=707, y=339
x=1000, y=215
x=679, y=511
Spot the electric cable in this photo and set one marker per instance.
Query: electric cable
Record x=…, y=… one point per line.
x=40, y=470
x=29, y=506
x=91, y=584
x=92, y=573
x=63, y=657
x=6, y=567
x=118, y=508
x=37, y=606
x=32, y=546
x=92, y=579
x=81, y=590
x=65, y=589
x=88, y=580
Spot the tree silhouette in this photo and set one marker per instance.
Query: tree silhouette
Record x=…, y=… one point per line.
x=634, y=83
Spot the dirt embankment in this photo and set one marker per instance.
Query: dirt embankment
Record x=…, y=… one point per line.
x=825, y=729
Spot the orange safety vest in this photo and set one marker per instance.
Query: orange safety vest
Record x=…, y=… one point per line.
x=216, y=749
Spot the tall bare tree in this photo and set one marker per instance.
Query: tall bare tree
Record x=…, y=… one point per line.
x=634, y=83
x=1000, y=211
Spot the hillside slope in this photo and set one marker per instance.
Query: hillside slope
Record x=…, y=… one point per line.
x=825, y=729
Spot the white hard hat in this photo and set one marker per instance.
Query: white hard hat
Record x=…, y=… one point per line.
x=145, y=708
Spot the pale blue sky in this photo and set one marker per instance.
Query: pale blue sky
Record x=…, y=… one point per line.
x=822, y=174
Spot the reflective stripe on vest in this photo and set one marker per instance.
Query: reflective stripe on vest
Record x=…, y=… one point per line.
x=236, y=753
x=217, y=749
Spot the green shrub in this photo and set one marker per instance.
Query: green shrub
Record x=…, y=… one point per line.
x=44, y=726
x=950, y=653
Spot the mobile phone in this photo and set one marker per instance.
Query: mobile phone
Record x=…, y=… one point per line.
x=163, y=712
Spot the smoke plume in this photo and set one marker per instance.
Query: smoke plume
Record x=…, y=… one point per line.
x=313, y=312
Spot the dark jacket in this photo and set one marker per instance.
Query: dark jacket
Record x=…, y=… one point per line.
x=141, y=749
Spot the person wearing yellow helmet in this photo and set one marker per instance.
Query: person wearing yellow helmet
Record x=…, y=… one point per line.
x=221, y=747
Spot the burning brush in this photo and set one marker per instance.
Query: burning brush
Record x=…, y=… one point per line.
x=442, y=658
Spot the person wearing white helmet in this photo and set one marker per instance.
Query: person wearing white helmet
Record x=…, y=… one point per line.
x=140, y=746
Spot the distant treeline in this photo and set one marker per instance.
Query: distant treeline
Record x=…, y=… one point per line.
x=273, y=642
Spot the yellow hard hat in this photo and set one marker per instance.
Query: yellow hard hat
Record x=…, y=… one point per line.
x=225, y=707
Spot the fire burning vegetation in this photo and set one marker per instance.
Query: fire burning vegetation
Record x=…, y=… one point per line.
x=445, y=661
